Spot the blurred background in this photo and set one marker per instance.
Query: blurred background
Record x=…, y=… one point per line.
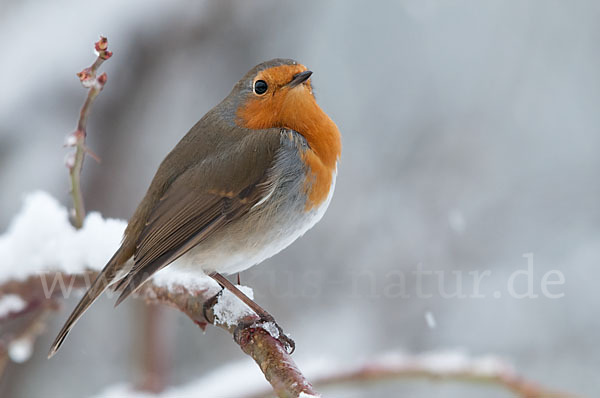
x=470, y=133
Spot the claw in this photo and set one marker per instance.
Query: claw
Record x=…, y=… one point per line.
x=288, y=343
x=268, y=324
x=209, y=304
x=244, y=331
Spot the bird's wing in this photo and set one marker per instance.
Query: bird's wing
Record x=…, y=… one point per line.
x=200, y=201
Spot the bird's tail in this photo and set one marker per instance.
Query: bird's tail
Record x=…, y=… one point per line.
x=105, y=278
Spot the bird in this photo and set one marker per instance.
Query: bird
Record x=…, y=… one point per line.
x=250, y=177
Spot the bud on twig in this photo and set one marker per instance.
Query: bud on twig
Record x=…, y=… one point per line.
x=101, y=44
x=101, y=47
x=102, y=79
x=106, y=55
x=86, y=75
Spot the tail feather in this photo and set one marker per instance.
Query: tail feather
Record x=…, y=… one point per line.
x=100, y=284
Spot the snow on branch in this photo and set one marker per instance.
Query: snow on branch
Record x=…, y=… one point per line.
x=46, y=259
x=11, y=304
x=40, y=239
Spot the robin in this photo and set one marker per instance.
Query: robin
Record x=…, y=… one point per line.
x=253, y=175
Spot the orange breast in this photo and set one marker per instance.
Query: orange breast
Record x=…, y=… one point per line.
x=297, y=109
x=319, y=180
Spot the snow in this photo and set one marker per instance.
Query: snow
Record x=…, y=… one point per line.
x=229, y=309
x=271, y=328
x=457, y=221
x=430, y=319
x=41, y=238
x=20, y=350
x=195, y=281
x=10, y=304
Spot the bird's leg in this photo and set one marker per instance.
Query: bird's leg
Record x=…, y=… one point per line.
x=264, y=315
x=224, y=282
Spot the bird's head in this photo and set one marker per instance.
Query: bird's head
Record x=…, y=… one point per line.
x=276, y=93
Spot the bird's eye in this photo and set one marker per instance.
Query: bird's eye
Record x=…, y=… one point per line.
x=260, y=87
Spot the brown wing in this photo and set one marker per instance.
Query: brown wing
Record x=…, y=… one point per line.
x=214, y=192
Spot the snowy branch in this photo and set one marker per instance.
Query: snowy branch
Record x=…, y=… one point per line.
x=254, y=338
x=44, y=262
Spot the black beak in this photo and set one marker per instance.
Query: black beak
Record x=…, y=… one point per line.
x=299, y=79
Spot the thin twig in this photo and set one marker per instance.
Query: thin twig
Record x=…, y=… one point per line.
x=74, y=161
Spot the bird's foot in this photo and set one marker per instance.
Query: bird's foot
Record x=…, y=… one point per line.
x=207, y=306
x=268, y=324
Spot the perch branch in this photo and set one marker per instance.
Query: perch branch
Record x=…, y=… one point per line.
x=268, y=352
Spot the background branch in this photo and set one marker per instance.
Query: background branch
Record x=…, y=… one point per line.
x=381, y=371
x=440, y=367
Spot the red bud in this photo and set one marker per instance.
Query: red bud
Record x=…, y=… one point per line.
x=102, y=44
x=105, y=54
x=102, y=79
x=84, y=74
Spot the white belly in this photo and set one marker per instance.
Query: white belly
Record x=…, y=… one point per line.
x=234, y=253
